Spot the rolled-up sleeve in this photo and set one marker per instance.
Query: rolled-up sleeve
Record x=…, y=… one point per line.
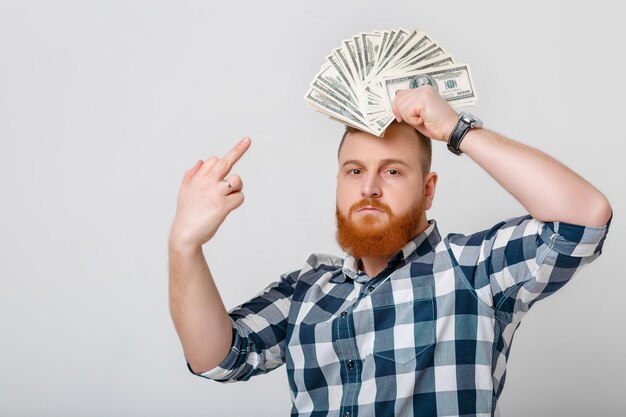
x=527, y=260
x=259, y=328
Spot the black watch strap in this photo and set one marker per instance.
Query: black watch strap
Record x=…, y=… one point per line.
x=458, y=133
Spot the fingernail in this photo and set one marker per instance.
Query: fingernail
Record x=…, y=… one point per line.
x=245, y=141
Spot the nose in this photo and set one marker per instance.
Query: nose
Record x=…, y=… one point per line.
x=370, y=188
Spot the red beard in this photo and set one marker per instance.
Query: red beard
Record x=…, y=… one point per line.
x=371, y=236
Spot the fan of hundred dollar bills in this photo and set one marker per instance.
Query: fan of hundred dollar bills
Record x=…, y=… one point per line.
x=359, y=80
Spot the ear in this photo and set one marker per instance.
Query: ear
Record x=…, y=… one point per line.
x=430, y=184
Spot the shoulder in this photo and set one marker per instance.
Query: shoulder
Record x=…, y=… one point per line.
x=474, y=248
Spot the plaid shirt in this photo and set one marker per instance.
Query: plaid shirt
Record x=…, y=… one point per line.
x=429, y=336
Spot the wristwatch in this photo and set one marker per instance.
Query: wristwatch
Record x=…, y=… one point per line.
x=465, y=123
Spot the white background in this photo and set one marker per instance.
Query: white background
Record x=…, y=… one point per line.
x=104, y=105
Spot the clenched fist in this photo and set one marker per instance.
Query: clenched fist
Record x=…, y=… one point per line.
x=425, y=110
x=206, y=196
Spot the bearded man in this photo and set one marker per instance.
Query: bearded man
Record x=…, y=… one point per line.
x=408, y=323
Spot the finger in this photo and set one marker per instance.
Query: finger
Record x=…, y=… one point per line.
x=235, y=183
x=394, y=109
x=404, y=110
x=226, y=163
x=196, y=167
x=399, y=105
x=208, y=165
x=234, y=200
x=191, y=172
x=414, y=120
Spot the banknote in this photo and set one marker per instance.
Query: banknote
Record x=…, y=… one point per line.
x=358, y=81
x=454, y=83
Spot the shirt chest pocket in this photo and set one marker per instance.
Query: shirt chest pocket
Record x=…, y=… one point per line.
x=402, y=323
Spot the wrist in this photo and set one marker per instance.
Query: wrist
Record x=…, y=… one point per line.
x=450, y=125
x=183, y=248
x=468, y=138
x=179, y=243
x=464, y=125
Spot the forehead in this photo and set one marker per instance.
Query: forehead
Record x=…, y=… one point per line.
x=397, y=144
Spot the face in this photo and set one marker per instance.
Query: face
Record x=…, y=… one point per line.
x=381, y=192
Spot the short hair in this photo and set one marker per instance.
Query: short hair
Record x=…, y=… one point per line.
x=424, y=145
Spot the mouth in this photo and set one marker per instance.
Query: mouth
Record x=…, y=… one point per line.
x=369, y=209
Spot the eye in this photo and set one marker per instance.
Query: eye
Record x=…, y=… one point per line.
x=393, y=172
x=355, y=171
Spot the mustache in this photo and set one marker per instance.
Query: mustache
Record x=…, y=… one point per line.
x=369, y=202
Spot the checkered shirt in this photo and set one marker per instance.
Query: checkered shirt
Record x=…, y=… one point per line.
x=428, y=336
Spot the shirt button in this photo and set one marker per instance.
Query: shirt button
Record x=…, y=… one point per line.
x=344, y=313
x=371, y=288
x=350, y=364
x=346, y=414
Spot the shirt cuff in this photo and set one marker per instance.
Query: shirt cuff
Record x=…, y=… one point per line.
x=224, y=368
x=573, y=239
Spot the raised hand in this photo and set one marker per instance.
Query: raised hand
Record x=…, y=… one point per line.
x=206, y=196
x=425, y=110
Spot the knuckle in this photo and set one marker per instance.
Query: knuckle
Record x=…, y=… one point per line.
x=222, y=163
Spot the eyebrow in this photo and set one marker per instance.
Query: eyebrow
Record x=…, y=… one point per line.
x=384, y=162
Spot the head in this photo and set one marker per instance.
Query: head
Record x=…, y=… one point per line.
x=384, y=187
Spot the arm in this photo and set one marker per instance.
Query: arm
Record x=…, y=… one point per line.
x=546, y=188
x=197, y=310
x=196, y=307
x=522, y=260
x=549, y=190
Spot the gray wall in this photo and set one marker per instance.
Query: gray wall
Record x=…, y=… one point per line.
x=104, y=105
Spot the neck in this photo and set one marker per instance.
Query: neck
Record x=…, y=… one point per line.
x=374, y=265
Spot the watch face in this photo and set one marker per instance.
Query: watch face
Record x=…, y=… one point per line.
x=466, y=117
x=471, y=119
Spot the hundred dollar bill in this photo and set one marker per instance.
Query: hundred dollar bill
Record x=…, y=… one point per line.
x=431, y=54
x=358, y=49
x=454, y=83
x=395, y=45
x=420, y=43
x=350, y=50
x=378, y=88
x=371, y=45
x=332, y=79
x=338, y=111
x=327, y=105
x=338, y=99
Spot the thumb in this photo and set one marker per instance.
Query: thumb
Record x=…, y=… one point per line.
x=235, y=200
x=414, y=121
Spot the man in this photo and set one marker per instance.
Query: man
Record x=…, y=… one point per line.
x=408, y=324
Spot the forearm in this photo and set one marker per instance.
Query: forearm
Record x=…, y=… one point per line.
x=545, y=187
x=197, y=310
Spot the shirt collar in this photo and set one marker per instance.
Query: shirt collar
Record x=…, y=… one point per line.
x=420, y=245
